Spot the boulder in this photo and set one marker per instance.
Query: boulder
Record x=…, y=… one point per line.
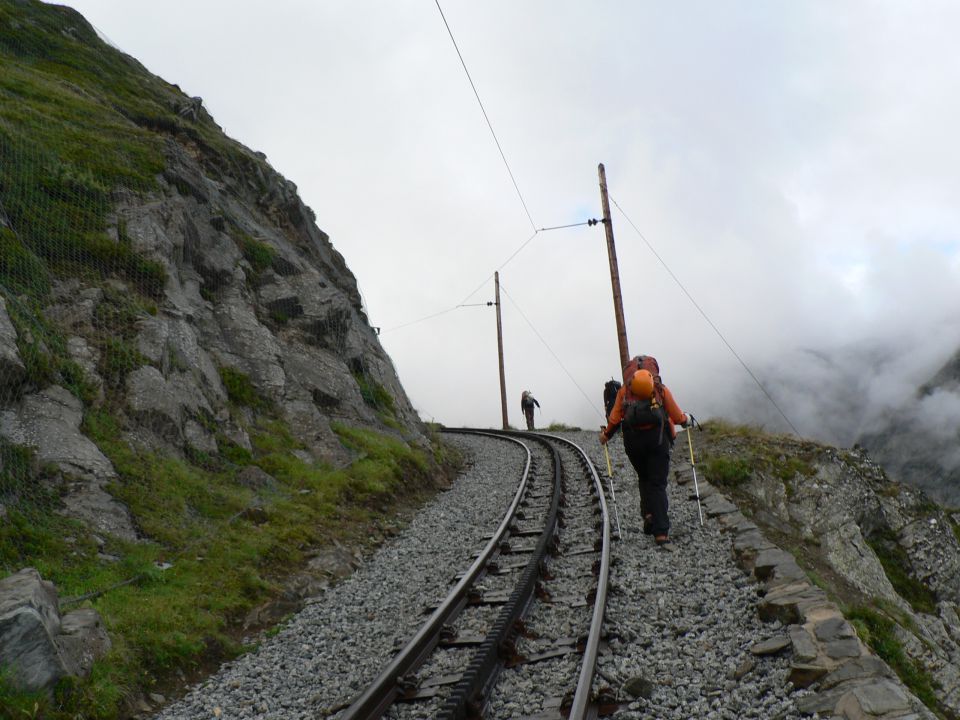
x=29, y=625
x=873, y=700
x=256, y=479
x=848, y=553
x=37, y=644
x=199, y=438
x=82, y=640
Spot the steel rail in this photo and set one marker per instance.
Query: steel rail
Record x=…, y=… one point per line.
x=381, y=693
x=468, y=695
x=579, y=708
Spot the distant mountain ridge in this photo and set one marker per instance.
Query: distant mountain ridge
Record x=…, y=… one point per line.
x=904, y=410
x=919, y=441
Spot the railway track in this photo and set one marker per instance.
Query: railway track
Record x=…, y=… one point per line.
x=519, y=633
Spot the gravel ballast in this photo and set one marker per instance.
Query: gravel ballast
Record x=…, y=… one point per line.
x=682, y=623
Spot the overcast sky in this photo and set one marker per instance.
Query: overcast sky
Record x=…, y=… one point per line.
x=794, y=164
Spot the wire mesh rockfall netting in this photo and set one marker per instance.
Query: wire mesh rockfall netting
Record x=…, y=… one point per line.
x=104, y=385
x=71, y=284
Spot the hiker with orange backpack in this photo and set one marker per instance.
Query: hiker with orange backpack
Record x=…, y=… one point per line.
x=646, y=412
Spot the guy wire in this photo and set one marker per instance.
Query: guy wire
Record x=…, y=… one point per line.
x=550, y=349
x=486, y=117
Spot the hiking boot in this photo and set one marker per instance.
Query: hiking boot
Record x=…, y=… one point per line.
x=663, y=541
x=648, y=525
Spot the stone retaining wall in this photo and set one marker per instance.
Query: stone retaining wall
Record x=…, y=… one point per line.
x=848, y=680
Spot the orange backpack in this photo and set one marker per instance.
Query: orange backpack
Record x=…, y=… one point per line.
x=644, y=413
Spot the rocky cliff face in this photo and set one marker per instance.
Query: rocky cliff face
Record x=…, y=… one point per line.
x=885, y=551
x=157, y=270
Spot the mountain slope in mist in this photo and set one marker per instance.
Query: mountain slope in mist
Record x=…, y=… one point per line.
x=919, y=441
x=899, y=399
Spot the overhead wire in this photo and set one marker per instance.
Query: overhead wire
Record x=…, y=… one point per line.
x=486, y=117
x=550, y=350
x=498, y=269
x=423, y=319
x=536, y=231
x=513, y=180
x=707, y=318
x=506, y=164
x=561, y=227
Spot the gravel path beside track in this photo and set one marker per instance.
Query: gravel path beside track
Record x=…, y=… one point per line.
x=683, y=622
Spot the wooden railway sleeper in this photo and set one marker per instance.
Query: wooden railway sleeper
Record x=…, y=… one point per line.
x=507, y=652
x=545, y=573
x=447, y=635
x=521, y=628
x=408, y=685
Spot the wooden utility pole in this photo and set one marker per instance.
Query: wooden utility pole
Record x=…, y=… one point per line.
x=614, y=271
x=503, y=382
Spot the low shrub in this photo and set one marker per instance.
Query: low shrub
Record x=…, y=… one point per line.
x=879, y=632
x=728, y=471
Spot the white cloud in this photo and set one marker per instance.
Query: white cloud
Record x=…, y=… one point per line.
x=793, y=163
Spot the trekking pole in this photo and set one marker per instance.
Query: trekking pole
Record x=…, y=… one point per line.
x=613, y=494
x=696, y=487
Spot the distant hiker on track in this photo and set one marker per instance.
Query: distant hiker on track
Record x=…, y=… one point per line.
x=610, y=390
x=527, y=401
x=646, y=412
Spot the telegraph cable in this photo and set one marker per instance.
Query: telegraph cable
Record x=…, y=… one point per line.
x=550, y=350
x=485, y=116
x=709, y=321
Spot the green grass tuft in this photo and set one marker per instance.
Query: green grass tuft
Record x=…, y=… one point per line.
x=879, y=632
x=241, y=390
x=561, y=427
x=896, y=565
x=727, y=471
x=259, y=254
x=376, y=396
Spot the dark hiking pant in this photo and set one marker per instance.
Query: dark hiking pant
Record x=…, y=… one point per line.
x=528, y=412
x=649, y=453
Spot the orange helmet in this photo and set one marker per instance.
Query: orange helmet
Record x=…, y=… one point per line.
x=641, y=384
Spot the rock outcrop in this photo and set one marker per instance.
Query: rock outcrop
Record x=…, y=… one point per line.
x=37, y=645
x=879, y=545
x=184, y=266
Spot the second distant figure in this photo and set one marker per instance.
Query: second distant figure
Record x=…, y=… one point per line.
x=527, y=403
